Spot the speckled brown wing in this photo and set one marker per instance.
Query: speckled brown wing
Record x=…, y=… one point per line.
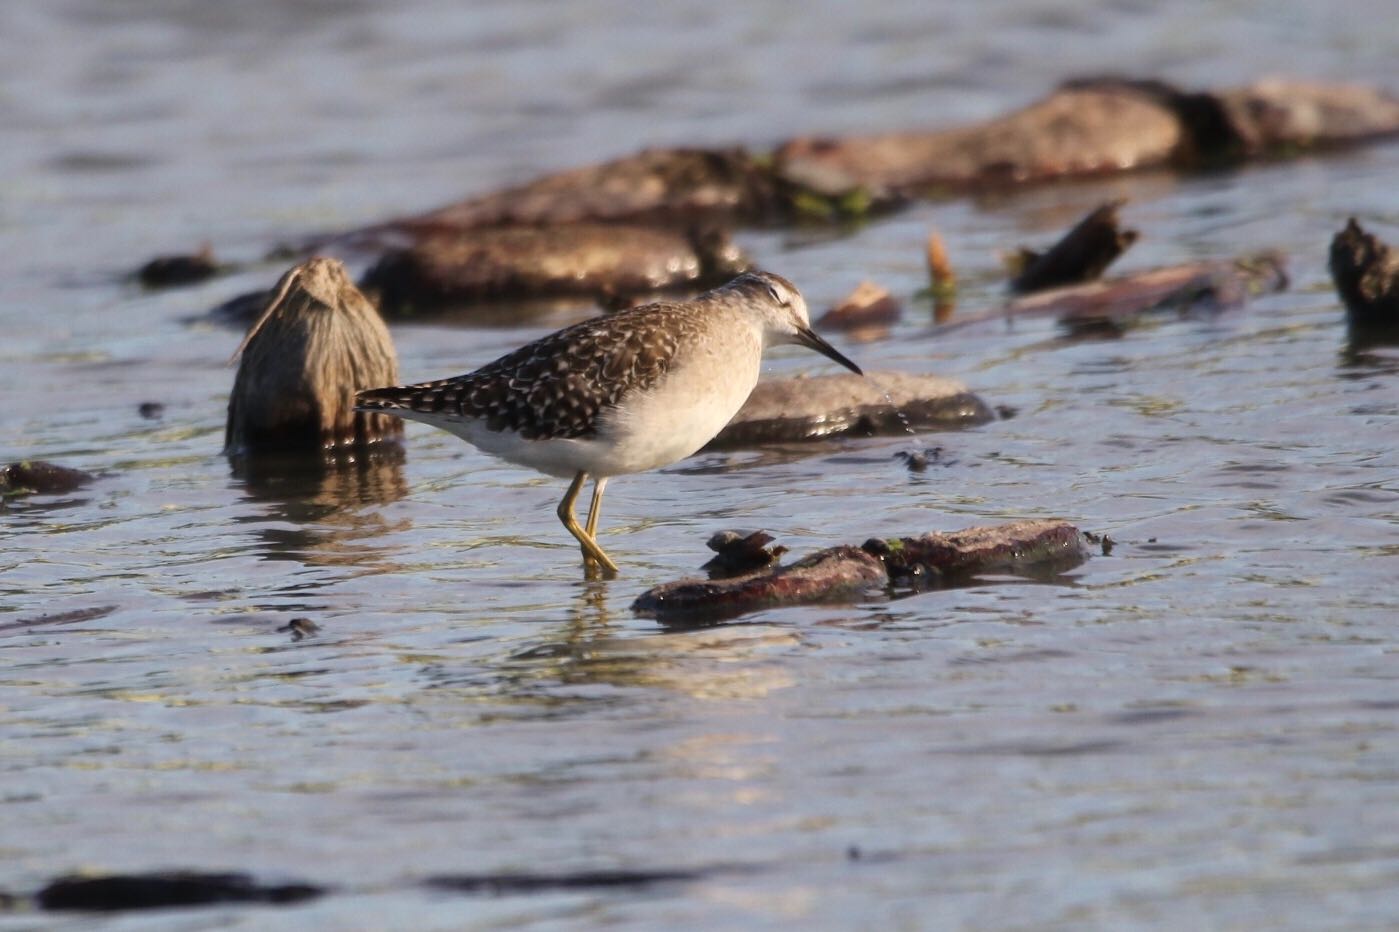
x=559, y=386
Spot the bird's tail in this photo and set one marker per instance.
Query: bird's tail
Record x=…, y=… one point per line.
x=391, y=398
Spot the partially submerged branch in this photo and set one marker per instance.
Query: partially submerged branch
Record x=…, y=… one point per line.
x=1081, y=255
x=1366, y=272
x=847, y=573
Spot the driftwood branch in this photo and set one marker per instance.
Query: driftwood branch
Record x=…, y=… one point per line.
x=846, y=573
x=1081, y=255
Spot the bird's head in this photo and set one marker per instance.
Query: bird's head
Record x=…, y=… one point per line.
x=782, y=311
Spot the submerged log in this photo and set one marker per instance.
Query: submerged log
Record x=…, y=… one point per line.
x=587, y=260
x=1102, y=125
x=846, y=573
x=817, y=407
x=828, y=575
x=1082, y=255
x=959, y=554
x=667, y=185
x=38, y=477
x=1279, y=115
x=1366, y=272
x=1075, y=131
x=678, y=188
x=317, y=343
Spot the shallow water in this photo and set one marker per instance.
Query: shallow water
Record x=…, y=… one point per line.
x=1197, y=730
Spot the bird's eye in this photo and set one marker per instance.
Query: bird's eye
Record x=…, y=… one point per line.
x=781, y=299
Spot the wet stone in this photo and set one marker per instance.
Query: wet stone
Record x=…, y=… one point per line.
x=37, y=477
x=818, y=407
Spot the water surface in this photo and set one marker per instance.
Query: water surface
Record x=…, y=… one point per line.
x=1197, y=730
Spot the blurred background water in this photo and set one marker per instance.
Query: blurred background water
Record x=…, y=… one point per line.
x=1198, y=730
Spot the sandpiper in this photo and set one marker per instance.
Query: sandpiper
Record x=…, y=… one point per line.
x=619, y=394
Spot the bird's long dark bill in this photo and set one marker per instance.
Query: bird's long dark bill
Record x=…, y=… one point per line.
x=807, y=337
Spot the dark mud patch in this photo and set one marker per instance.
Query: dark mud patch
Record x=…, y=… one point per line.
x=175, y=889
x=525, y=884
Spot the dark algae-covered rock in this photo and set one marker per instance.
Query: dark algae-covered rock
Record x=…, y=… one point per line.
x=846, y=573
x=586, y=260
x=37, y=477
x=1366, y=272
x=317, y=343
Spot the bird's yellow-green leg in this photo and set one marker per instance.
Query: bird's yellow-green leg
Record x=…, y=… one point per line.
x=595, y=509
x=594, y=512
x=591, y=551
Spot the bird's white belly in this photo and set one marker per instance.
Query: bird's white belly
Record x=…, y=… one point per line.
x=648, y=429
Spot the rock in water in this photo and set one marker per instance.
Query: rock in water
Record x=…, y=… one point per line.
x=317, y=342
x=823, y=406
x=37, y=477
